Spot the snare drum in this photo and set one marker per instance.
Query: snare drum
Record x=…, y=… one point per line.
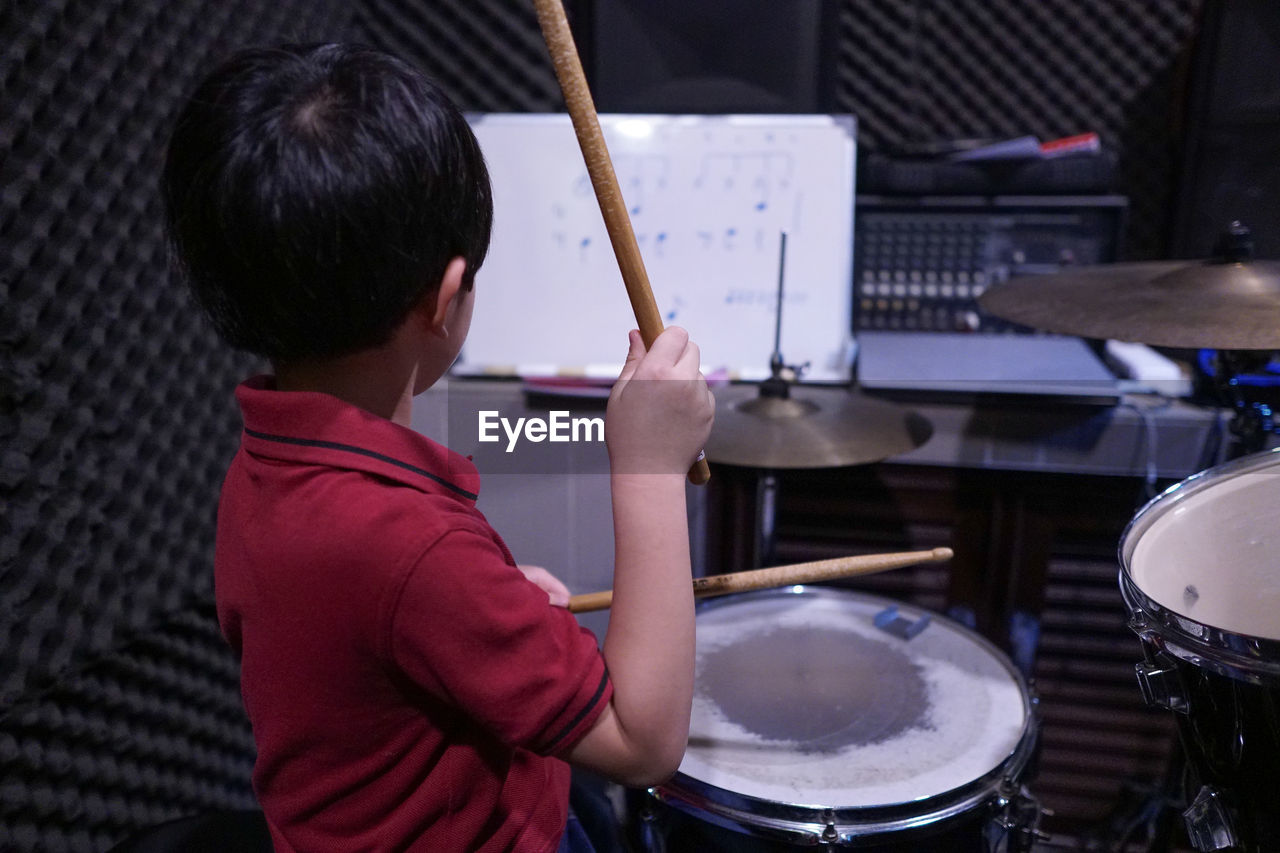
x=1200, y=574
x=827, y=718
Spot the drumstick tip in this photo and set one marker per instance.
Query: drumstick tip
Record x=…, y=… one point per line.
x=940, y=554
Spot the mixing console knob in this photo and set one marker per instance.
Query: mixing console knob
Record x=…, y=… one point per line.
x=968, y=321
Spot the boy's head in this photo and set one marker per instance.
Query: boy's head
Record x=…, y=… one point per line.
x=315, y=194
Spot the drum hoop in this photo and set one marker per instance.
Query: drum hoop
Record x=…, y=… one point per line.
x=1255, y=660
x=778, y=819
x=792, y=822
x=1235, y=655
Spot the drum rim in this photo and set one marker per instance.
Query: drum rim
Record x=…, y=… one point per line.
x=1231, y=653
x=747, y=813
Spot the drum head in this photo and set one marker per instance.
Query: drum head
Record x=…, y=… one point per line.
x=801, y=699
x=1209, y=547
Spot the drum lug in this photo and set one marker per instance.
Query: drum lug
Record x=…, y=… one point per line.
x=1208, y=822
x=830, y=835
x=1161, y=684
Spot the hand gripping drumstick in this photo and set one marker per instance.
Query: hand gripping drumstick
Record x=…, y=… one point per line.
x=582, y=110
x=821, y=570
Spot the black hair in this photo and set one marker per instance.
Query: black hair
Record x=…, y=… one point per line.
x=315, y=193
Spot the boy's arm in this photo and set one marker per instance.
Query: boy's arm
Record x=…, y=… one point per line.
x=659, y=416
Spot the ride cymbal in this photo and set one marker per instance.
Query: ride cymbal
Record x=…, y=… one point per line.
x=812, y=428
x=1190, y=304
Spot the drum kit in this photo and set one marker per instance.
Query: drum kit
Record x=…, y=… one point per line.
x=788, y=751
x=790, y=746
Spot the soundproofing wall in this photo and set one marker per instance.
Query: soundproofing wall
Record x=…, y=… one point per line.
x=918, y=71
x=487, y=54
x=1229, y=166
x=119, y=702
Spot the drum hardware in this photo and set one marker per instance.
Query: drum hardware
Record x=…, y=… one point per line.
x=890, y=622
x=776, y=387
x=1208, y=822
x=1161, y=684
x=1198, y=576
x=830, y=835
x=785, y=426
x=1018, y=816
x=1014, y=823
x=802, y=756
x=1158, y=677
x=766, y=533
x=1229, y=302
x=1253, y=419
x=780, y=373
x=782, y=425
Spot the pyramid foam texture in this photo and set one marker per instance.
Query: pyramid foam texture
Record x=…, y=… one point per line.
x=116, y=424
x=918, y=71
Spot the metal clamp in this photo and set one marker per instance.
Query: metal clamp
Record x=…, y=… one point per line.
x=1017, y=821
x=1209, y=822
x=1161, y=684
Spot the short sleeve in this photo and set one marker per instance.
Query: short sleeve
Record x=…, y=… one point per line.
x=468, y=627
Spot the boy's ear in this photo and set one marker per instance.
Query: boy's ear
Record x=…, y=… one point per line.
x=438, y=303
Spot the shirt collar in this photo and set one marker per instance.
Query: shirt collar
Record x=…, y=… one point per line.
x=318, y=428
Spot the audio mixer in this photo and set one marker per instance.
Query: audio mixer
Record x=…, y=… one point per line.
x=920, y=263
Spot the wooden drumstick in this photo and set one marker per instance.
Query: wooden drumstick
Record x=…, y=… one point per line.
x=582, y=110
x=820, y=570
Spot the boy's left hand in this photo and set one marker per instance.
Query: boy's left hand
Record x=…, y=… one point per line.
x=548, y=583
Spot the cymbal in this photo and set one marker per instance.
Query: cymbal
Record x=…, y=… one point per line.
x=813, y=428
x=1190, y=304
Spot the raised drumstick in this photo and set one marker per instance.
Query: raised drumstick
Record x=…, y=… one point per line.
x=582, y=110
x=820, y=570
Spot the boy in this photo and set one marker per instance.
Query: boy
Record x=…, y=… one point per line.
x=408, y=686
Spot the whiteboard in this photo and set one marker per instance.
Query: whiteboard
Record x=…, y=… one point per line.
x=709, y=197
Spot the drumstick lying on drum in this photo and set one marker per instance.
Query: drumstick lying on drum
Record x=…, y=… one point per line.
x=582, y=111
x=819, y=570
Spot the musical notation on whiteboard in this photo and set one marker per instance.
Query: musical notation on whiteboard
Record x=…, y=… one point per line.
x=707, y=196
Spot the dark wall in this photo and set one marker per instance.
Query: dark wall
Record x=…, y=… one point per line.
x=487, y=54
x=118, y=701
x=1230, y=167
x=923, y=71
x=928, y=70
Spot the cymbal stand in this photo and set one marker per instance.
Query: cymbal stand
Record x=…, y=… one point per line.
x=1253, y=420
x=766, y=517
x=776, y=387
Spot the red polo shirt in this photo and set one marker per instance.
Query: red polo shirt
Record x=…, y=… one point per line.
x=405, y=682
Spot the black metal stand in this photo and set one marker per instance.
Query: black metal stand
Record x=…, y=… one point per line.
x=1253, y=420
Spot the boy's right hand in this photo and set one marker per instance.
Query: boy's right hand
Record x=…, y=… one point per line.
x=660, y=410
